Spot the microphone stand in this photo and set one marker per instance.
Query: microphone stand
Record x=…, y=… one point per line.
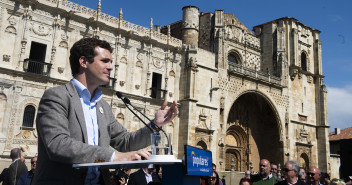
x=127, y=102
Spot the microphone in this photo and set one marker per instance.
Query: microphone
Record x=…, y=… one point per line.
x=127, y=102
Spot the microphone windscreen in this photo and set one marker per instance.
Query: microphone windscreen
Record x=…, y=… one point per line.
x=118, y=94
x=126, y=100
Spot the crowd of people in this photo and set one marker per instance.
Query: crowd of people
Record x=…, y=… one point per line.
x=292, y=174
x=17, y=173
x=144, y=176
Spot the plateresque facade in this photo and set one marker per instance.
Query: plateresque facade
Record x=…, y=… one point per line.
x=243, y=95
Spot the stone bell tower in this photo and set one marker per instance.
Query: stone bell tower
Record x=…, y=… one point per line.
x=190, y=25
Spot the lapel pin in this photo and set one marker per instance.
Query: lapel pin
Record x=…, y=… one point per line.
x=101, y=110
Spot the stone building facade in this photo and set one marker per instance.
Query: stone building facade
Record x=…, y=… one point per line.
x=243, y=95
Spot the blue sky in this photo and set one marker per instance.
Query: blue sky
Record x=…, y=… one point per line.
x=332, y=18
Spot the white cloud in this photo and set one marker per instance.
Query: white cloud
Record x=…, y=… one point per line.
x=340, y=107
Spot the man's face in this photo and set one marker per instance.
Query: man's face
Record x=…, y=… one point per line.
x=212, y=179
x=98, y=71
x=313, y=175
x=34, y=163
x=264, y=168
x=303, y=172
x=248, y=174
x=288, y=172
x=273, y=168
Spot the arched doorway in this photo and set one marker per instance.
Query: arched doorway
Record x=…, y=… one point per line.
x=259, y=133
x=304, y=161
x=235, y=147
x=202, y=145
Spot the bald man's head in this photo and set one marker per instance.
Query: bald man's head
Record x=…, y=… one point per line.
x=264, y=167
x=313, y=175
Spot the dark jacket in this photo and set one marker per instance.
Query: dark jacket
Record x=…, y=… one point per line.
x=26, y=178
x=138, y=178
x=285, y=183
x=14, y=172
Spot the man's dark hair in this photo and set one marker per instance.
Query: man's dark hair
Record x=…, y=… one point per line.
x=15, y=153
x=85, y=47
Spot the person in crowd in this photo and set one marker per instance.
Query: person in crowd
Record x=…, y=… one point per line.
x=348, y=180
x=143, y=176
x=324, y=178
x=214, y=169
x=16, y=169
x=3, y=174
x=265, y=177
x=273, y=167
x=313, y=175
x=302, y=175
x=76, y=125
x=247, y=174
x=158, y=171
x=245, y=181
x=290, y=172
x=223, y=180
x=336, y=181
x=122, y=175
x=26, y=178
x=214, y=179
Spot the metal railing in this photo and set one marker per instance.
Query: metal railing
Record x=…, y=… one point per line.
x=33, y=66
x=158, y=93
x=254, y=73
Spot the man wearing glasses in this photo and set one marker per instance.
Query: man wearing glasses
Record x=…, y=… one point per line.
x=314, y=176
x=26, y=178
x=290, y=172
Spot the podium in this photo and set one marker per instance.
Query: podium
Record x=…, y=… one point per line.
x=173, y=170
x=196, y=162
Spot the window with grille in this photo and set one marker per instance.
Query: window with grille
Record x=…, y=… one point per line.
x=28, y=116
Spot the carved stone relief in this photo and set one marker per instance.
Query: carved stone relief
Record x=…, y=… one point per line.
x=303, y=136
x=41, y=29
x=158, y=63
x=6, y=58
x=11, y=29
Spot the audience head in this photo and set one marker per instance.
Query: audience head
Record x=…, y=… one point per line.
x=15, y=154
x=302, y=175
x=214, y=179
x=273, y=167
x=247, y=174
x=34, y=163
x=245, y=181
x=290, y=171
x=324, y=178
x=264, y=166
x=313, y=175
x=214, y=166
x=336, y=181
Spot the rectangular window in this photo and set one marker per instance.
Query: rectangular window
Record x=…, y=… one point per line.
x=156, y=86
x=36, y=61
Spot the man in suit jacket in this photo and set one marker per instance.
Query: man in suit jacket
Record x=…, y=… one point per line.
x=75, y=125
x=16, y=168
x=26, y=178
x=140, y=177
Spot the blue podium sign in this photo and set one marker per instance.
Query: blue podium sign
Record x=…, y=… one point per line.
x=198, y=161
